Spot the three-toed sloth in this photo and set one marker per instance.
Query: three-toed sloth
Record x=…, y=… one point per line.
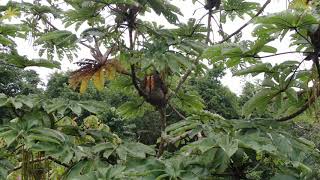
x=154, y=89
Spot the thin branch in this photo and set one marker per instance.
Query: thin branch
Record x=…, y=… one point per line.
x=209, y=26
x=32, y=161
x=177, y=112
x=316, y=62
x=246, y=24
x=277, y=54
x=96, y=47
x=58, y=162
x=292, y=76
x=163, y=119
x=200, y=3
x=305, y=38
x=303, y=108
x=298, y=112
x=48, y=22
x=133, y=70
x=108, y=52
x=219, y=25
x=87, y=45
x=39, y=160
x=182, y=80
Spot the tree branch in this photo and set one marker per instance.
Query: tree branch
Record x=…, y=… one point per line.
x=315, y=60
x=32, y=161
x=303, y=108
x=246, y=24
x=163, y=117
x=58, y=162
x=177, y=112
x=292, y=76
x=301, y=35
x=209, y=26
x=277, y=54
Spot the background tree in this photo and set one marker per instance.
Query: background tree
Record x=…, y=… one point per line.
x=217, y=98
x=15, y=81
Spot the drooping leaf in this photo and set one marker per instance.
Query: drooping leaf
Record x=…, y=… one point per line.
x=84, y=85
x=98, y=79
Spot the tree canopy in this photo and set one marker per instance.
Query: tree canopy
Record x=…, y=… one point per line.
x=147, y=102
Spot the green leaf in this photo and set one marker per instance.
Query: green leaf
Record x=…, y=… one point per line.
x=138, y=150
x=5, y=41
x=283, y=177
x=75, y=108
x=292, y=94
x=233, y=62
x=5, y=167
x=258, y=68
x=269, y=49
x=259, y=101
x=41, y=63
x=58, y=36
x=92, y=106
x=299, y=4
x=131, y=110
x=23, y=61
x=229, y=145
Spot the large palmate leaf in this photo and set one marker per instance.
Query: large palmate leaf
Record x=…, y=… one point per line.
x=238, y=8
x=18, y=129
x=58, y=38
x=162, y=7
x=53, y=142
x=5, y=166
x=280, y=23
x=299, y=4
x=94, y=169
x=61, y=106
x=189, y=102
x=132, y=109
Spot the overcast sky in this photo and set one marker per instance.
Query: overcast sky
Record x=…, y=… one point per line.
x=187, y=8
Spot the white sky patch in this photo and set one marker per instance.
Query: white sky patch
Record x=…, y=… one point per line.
x=188, y=9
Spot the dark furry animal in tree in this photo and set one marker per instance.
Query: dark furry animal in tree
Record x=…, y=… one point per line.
x=155, y=90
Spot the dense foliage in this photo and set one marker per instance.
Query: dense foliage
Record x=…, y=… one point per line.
x=149, y=103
